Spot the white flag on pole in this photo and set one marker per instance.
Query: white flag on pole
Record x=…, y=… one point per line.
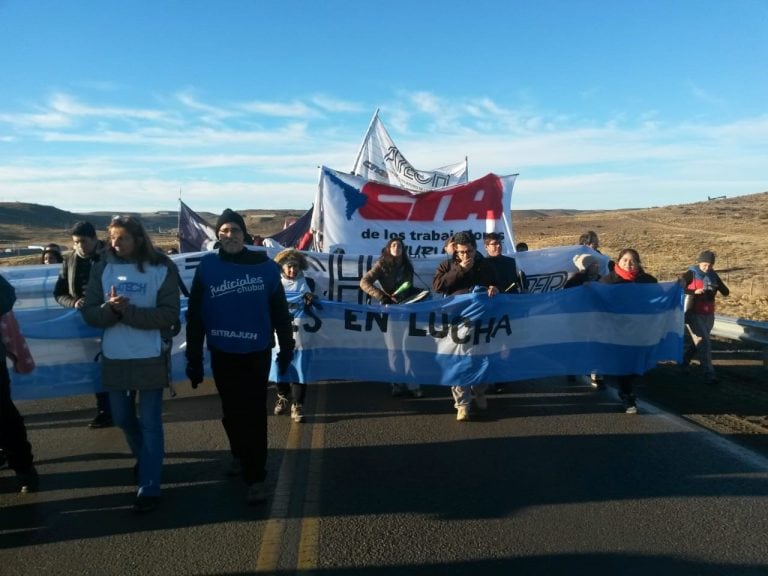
x=381, y=161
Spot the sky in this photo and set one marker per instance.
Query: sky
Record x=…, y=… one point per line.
x=605, y=104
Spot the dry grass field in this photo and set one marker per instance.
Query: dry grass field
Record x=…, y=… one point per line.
x=669, y=238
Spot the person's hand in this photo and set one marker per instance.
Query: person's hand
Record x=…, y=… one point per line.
x=195, y=371
x=387, y=299
x=309, y=298
x=492, y=291
x=284, y=359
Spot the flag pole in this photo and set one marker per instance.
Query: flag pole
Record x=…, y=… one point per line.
x=365, y=139
x=178, y=226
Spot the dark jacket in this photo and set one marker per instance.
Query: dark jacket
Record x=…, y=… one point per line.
x=389, y=277
x=66, y=292
x=450, y=278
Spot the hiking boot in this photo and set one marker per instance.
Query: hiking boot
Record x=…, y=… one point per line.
x=102, y=420
x=257, y=493
x=297, y=413
x=462, y=413
x=281, y=405
x=27, y=481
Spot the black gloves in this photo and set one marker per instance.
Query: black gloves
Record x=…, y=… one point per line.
x=284, y=359
x=195, y=371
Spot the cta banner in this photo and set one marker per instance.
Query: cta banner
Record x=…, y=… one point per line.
x=358, y=216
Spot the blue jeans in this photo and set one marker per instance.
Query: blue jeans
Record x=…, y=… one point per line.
x=144, y=433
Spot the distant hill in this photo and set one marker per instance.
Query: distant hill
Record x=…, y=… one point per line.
x=27, y=222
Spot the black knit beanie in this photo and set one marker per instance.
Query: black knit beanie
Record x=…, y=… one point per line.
x=707, y=256
x=230, y=216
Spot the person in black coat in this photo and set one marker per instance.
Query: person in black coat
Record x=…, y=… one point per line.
x=628, y=268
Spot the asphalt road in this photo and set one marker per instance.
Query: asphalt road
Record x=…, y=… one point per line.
x=553, y=479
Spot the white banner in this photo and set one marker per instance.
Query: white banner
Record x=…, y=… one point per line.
x=358, y=216
x=381, y=161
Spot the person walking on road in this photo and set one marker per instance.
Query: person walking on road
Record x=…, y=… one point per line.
x=69, y=292
x=14, y=445
x=292, y=265
x=460, y=275
x=236, y=305
x=133, y=294
x=702, y=284
x=628, y=268
x=390, y=281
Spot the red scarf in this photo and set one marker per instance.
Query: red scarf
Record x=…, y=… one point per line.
x=628, y=275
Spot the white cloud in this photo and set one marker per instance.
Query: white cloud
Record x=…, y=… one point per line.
x=70, y=151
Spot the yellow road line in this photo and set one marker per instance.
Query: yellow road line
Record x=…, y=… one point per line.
x=269, y=552
x=309, y=536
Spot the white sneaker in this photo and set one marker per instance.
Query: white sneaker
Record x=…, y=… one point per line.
x=257, y=493
x=462, y=413
x=281, y=405
x=297, y=413
x=481, y=401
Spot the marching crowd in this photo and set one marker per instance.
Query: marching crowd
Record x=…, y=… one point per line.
x=237, y=309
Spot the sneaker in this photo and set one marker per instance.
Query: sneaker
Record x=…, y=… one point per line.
x=416, y=393
x=257, y=493
x=102, y=420
x=630, y=405
x=481, y=401
x=27, y=481
x=462, y=413
x=596, y=381
x=281, y=405
x=144, y=504
x=297, y=413
x=233, y=468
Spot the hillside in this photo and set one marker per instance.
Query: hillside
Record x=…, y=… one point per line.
x=668, y=238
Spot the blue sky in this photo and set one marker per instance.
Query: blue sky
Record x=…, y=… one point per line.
x=114, y=105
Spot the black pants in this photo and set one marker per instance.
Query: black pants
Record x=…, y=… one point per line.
x=13, y=434
x=102, y=403
x=297, y=391
x=242, y=381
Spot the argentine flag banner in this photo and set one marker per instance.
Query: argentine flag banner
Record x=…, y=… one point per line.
x=611, y=329
x=474, y=338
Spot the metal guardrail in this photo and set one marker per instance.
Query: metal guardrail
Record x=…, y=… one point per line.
x=744, y=331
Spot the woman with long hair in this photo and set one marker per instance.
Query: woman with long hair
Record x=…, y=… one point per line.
x=133, y=294
x=628, y=268
x=390, y=281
